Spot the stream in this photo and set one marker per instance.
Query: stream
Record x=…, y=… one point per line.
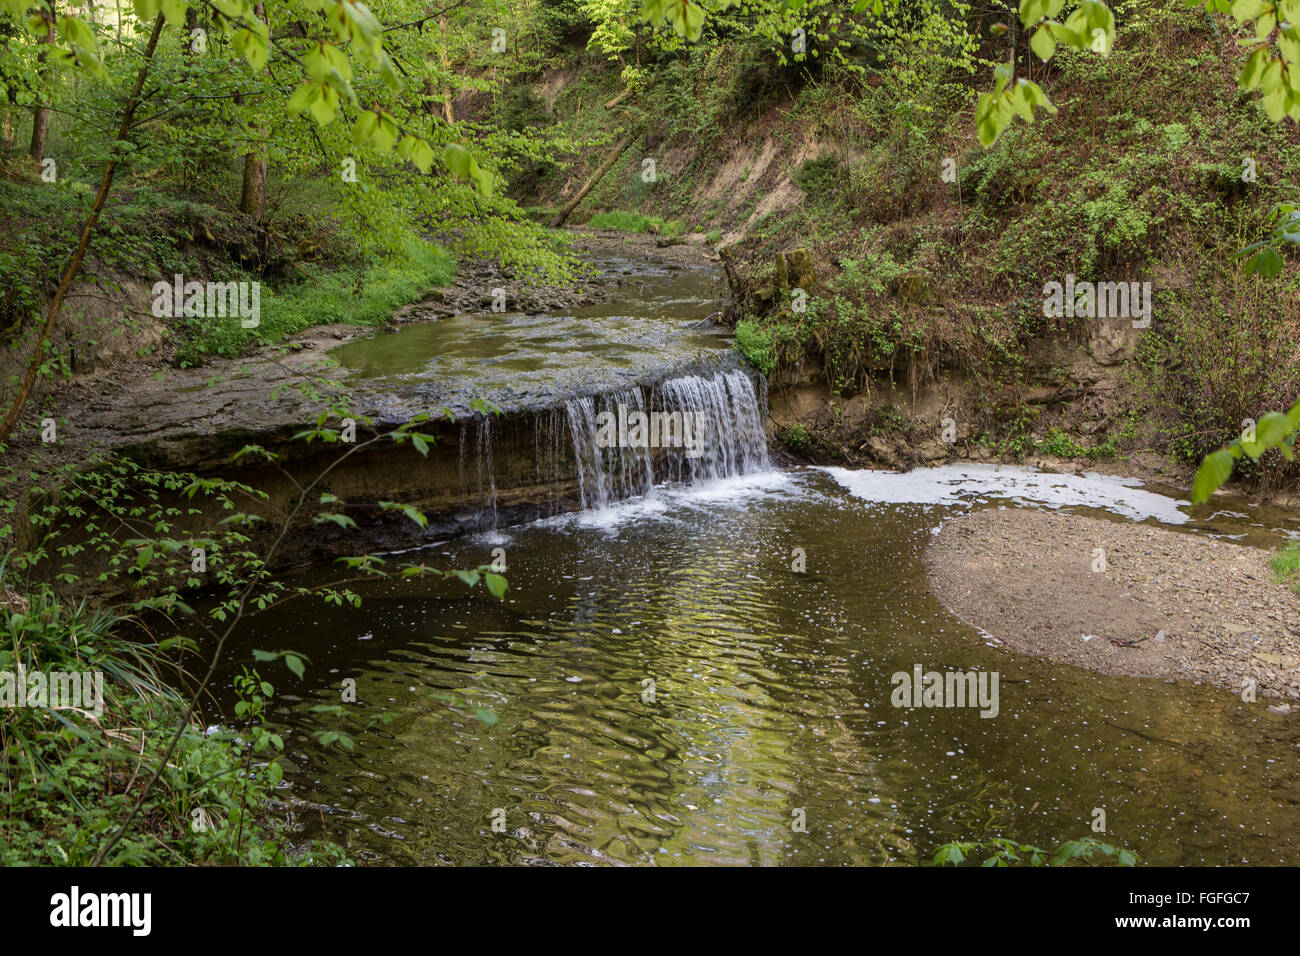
x=696, y=668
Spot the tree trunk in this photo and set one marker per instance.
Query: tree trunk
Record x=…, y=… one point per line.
x=619, y=149
x=446, y=68
x=41, y=115
x=78, y=254
x=40, y=129
x=252, y=200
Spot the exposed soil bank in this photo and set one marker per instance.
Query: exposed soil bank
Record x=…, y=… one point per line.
x=1027, y=578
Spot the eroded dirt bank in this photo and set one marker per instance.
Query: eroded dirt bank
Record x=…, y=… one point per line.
x=1168, y=604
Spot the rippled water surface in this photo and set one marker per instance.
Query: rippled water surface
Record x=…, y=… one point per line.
x=771, y=703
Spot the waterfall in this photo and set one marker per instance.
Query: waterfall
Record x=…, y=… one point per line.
x=726, y=409
x=695, y=429
x=607, y=474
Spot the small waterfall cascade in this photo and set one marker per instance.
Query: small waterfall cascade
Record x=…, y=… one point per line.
x=608, y=471
x=618, y=444
x=687, y=430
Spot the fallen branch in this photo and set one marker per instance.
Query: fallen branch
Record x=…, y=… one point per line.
x=619, y=149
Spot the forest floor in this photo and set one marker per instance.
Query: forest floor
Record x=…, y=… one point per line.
x=1168, y=604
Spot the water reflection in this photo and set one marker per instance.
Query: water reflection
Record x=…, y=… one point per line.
x=770, y=703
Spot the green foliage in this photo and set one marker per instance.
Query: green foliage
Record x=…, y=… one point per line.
x=1004, y=852
x=1060, y=445
x=1286, y=566
x=111, y=522
x=323, y=297
x=796, y=438
x=755, y=343
x=1265, y=257
x=821, y=176
x=1273, y=430
x=635, y=222
x=68, y=777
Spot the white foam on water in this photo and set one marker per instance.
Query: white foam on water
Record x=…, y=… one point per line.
x=969, y=483
x=669, y=501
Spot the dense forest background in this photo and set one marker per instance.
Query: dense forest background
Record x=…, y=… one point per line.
x=850, y=134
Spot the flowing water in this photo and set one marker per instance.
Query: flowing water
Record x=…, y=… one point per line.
x=697, y=669
x=667, y=689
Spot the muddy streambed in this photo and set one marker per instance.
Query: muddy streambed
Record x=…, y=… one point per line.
x=662, y=685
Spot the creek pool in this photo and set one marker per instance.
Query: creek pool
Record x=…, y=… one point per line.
x=661, y=687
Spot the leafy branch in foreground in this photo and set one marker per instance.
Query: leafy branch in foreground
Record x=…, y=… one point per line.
x=1273, y=430
x=124, y=526
x=1266, y=255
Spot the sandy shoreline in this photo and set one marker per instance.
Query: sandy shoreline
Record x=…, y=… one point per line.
x=1027, y=577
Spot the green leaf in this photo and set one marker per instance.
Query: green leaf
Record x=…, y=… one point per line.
x=388, y=74
x=422, y=158
x=1214, y=471
x=1268, y=262
x=986, y=125
x=1243, y=10
x=364, y=128
x=301, y=98
x=294, y=663
x=324, y=105
x=495, y=583
x=458, y=159
x=174, y=11
x=1271, y=429
x=343, y=521
x=1253, y=70
x=482, y=180
x=1275, y=101
x=385, y=133
x=254, y=49
x=76, y=33
x=1021, y=103
x=1043, y=43
x=1031, y=11
x=1288, y=41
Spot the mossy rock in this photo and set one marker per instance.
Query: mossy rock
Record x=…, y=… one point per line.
x=800, y=269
